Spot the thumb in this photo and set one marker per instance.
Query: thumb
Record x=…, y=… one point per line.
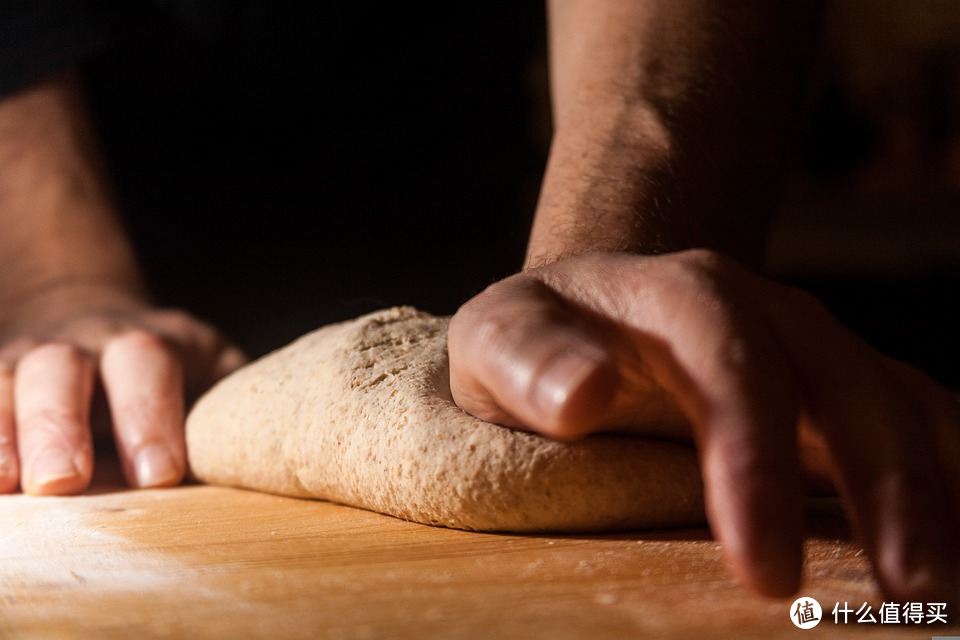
x=522, y=357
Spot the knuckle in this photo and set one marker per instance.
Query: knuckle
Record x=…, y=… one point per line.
x=735, y=355
x=151, y=419
x=15, y=349
x=139, y=352
x=492, y=314
x=463, y=323
x=96, y=325
x=51, y=424
x=744, y=460
x=494, y=332
x=55, y=351
x=174, y=317
x=708, y=262
x=695, y=275
x=178, y=322
x=138, y=340
x=185, y=334
x=712, y=278
x=805, y=302
x=506, y=333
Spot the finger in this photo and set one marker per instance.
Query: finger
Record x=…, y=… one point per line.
x=887, y=437
x=9, y=465
x=751, y=472
x=144, y=385
x=679, y=332
x=731, y=378
x=228, y=359
x=888, y=480
x=519, y=357
x=206, y=356
x=53, y=385
x=690, y=318
x=942, y=410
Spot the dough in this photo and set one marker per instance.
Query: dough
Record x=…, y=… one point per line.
x=360, y=413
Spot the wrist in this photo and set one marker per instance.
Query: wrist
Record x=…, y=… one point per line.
x=630, y=183
x=608, y=186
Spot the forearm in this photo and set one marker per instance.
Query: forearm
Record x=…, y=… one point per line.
x=670, y=121
x=60, y=231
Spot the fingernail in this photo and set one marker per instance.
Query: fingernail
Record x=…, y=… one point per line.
x=561, y=377
x=51, y=466
x=154, y=467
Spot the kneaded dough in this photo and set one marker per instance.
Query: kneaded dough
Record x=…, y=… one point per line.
x=360, y=413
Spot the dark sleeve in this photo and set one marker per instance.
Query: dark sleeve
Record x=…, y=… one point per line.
x=38, y=37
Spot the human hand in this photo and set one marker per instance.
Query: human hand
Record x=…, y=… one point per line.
x=148, y=361
x=766, y=382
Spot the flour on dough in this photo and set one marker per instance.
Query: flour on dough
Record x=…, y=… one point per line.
x=360, y=413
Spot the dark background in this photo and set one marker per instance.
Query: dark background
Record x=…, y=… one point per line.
x=285, y=165
x=871, y=216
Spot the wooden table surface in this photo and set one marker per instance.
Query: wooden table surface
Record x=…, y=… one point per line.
x=210, y=562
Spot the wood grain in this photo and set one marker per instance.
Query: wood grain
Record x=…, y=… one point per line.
x=208, y=562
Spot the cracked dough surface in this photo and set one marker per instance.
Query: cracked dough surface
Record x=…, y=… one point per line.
x=360, y=413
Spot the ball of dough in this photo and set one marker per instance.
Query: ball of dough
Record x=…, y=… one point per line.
x=360, y=413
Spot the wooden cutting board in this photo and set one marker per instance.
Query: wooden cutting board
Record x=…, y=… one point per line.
x=209, y=562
